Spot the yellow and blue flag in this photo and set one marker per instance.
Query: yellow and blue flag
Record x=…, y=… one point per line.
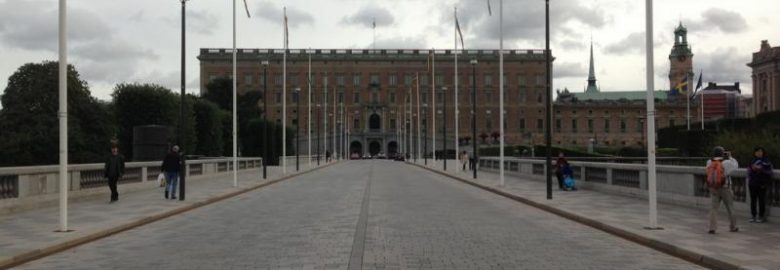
x=682, y=87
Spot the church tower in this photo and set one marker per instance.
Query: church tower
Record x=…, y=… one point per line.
x=592, y=88
x=681, y=58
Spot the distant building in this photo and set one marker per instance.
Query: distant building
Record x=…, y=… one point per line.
x=372, y=90
x=721, y=101
x=617, y=118
x=766, y=78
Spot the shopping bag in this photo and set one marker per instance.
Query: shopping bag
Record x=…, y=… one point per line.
x=161, y=179
x=568, y=182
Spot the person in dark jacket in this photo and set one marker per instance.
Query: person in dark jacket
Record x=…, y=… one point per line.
x=759, y=177
x=559, y=169
x=171, y=166
x=113, y=170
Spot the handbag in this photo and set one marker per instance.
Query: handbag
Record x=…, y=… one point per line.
x=568, y=182
x=161, y=179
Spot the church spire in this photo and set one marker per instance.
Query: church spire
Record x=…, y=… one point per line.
x=592, y=72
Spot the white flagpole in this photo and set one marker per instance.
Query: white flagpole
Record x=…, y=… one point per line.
x=702, y=109
x=651, y=168
x=235, y=104
x=325, y=117
x=419, y=116
x=63, y=115
x=457, y=113
x=501, y=91
x=308, y=130
x=433, y=100
x=284, y=98
x=688, y=104
x=333, y=138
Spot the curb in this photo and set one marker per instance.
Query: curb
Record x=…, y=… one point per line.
x=676, y=251
x=29, y=256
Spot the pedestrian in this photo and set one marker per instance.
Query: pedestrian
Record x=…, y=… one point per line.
x=559, y=169
x=464, y=157
x=113, y=170
x=472, y=166
x=759, y=177
x=567, y=174
x=718, y=177
x=327, y=156
x=171, y=166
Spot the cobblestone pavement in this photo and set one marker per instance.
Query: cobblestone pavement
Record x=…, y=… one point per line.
x=413, y=219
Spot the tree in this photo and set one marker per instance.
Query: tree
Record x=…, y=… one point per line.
x=220, y=91
x=29, y=121
x=208, y=128
x=149, y=104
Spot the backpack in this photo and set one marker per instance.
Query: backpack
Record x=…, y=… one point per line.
x=716, y=176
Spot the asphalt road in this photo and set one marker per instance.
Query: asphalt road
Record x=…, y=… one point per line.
x=368, y=214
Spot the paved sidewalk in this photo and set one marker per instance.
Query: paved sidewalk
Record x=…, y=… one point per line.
x=755, y=246
x=33, y=230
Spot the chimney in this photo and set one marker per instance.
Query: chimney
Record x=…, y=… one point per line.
x=765, y=45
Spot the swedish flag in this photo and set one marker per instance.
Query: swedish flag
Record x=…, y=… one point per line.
x=682, y=87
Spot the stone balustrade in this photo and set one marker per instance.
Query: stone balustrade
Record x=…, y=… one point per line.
x=33, y=184
x=681, y=185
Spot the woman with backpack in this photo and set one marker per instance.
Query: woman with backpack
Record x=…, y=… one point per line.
x=718, y=177
x=759, y=177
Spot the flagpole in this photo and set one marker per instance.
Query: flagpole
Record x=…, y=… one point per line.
x=284, y=97
x=702, y=110
x=419, y=129
x=651, y=167
x=63, y=114
x=688, y=98
x=433, y=100
x=235, y=104
x=501, y=91
x=325, y=116
x=308, y=130
x=457, y=113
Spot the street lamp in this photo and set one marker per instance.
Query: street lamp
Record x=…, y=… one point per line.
x=297, y=127
x=425, y=134
x=444, y=123
x=548, y=103
x=474, y=114
x=265, y=117
x=182, y=176
x=318, y=134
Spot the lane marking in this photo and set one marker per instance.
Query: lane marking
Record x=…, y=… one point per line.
x=359, y=241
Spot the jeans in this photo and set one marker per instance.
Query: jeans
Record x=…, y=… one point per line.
x=173, y=179
x=725, y=195
x=112, y=181
x=758, y=196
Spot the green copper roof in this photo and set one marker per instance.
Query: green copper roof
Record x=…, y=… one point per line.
x=615, y=96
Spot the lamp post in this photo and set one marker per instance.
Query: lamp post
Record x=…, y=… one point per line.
x=547, y=103
x=297, y=128
x=182, y=176
x=425, y=135
x=265, y=117
x=474, y=114
x=318, y=134
x=444, y=123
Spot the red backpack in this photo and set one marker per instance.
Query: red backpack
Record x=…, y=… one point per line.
x=716, y=176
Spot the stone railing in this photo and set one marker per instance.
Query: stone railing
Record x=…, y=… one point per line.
x=32, y=181
x=684, y=185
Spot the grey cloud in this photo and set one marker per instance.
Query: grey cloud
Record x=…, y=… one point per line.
x=366, y=15
x=115, y=50
x=273, y=13
x=201, y=21
x=524, y=19
x=569, y=70
x=569, y=44
x=26, y=25
x=725, y=20
x=634, y=43
x=398, y=43
x=724, y=65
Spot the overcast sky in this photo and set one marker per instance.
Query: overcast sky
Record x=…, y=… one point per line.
x=119, y=41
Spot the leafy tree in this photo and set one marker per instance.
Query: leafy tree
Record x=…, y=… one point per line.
x=29, y=118
x=220, y=91
x=208, y=127
x=149, y=104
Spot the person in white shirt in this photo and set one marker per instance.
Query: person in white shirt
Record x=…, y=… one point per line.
x=721, y=192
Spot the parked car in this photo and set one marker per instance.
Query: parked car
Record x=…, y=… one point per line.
x=354, y=156
x=381, y=156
